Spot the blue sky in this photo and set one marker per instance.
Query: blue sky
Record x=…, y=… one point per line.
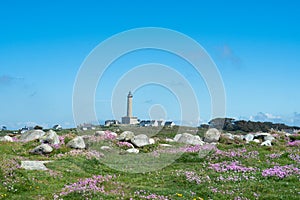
x=255, y=45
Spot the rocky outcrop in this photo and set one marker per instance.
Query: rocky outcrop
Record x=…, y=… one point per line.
x=188, y=138
x=99, y=133
x=50, y=138
x=140, y=140
x=77, y=143
x=266, y=143
x=133, y=150
x=249, y=137
x=6, y=139
x=212, y=135
x=32, y=135
x=34, y=165
x=126, y=136
x=42, y=149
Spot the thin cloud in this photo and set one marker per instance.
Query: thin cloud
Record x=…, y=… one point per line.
x=226, y=53
x=292, y=119
x=149, y=101
x=8, y=80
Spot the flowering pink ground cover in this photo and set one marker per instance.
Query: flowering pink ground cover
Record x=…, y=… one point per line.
x=237, y=171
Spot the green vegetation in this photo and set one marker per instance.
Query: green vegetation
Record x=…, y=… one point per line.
x=232, y=170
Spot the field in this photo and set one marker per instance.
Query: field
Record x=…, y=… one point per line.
x=232, y=169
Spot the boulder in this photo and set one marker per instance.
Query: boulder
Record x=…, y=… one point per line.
x=256, y=140
x=165, y=145
x=151, y=141
x=140, y=140
x=169, y=140
x=176, y=138
x=269, y=137
x=212, y=135
x=126, y=136
x=105, y=148
x=266, y=143
x=188, y=138
x=6, y=139
x=249, y=137
x=77, y=143
x=133, y=150
x=99, y=133
x=288, y=134
x=34, y=165
x=261, y=135
x=42, y=149
x=50, y=137
x=32, y=135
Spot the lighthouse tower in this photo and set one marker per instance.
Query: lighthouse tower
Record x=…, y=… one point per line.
x=129, y=104
x=129, y=119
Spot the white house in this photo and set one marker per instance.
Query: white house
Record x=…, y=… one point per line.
x=57, y=127
x=152, y=123
x=111, y=122
x=169, y=124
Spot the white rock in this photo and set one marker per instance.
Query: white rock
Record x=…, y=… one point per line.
x=151, y=141
x=288, y=134
x=105, y=148
x=212, y=135
x=133, y=150
x=188, y=138
x=140, y=140
x=269, y=137
x=99, y=133
x=34, y=165
x=6, y=139
x=261, y=135
x=126, y=135
x=177, y=136
x=32, y=135
x=266, y=143
x=77, y=143
x=50, y=137
x=42, y=149
x=169, y=140
x=165, y=145
x=249, y=137
x=256, y=141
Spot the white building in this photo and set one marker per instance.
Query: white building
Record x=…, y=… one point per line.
x=111, y=122
x=152, y=123
x=169, y=124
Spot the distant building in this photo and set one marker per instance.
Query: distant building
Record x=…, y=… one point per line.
x=169, y=124
x=148, y=123
x=86, y=127
x=152, y=123
x=111, y=122
x=25, y=129
x=3, y=128
x=57, y=127
x=129, y=119
x=160, y=122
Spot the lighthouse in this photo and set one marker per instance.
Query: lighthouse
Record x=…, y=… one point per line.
x=129, y=104
x=129, y=119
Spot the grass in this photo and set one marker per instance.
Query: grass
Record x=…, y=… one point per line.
x=188, y=177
